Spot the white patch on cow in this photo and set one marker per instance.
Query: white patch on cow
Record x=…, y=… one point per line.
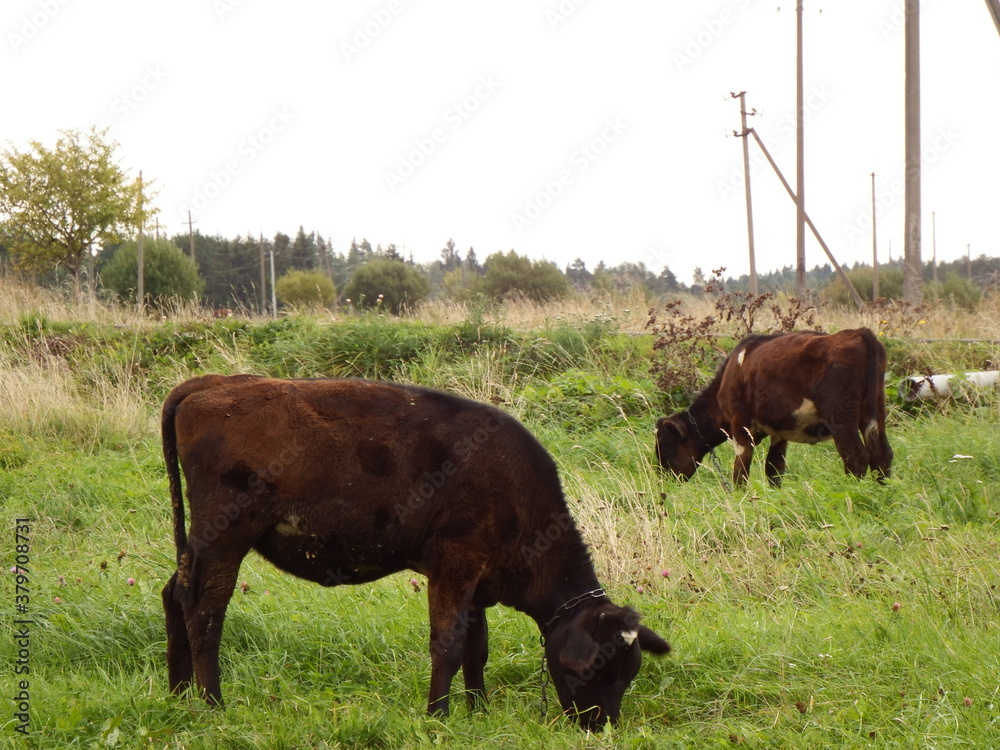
x=629, y=636
x=806, y=418
x=739, y=449
x=739, y=358
x=806, y=414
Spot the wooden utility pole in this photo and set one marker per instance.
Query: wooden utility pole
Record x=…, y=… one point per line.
x=191, y=235
x=140, y=295
x=874, y=247
x=800, y=170
x=994, y=7
x=911, y=199
x=788, y=188
x=745, y=135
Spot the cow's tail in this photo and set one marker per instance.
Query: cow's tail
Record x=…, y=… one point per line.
x=168, y=433
x=875, y=378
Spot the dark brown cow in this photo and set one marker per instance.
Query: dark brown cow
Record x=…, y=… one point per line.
x=345, y=481
x=802, y=387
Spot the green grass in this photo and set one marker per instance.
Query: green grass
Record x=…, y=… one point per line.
x=779, y=602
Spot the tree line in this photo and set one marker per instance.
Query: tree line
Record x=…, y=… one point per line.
x=72, y=212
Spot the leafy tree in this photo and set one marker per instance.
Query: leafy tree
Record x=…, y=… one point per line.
x=387, y=283
x=511, y=274
x=300, y=288
x=168, y=274
x=57, y=203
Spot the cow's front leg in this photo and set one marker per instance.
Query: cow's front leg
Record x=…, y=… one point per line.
x=743, y=444
x=474, y=661
x=449, y=595
x=774, y=467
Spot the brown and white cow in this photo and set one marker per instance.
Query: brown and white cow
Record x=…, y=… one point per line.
x=802, y=387
x=344, y=481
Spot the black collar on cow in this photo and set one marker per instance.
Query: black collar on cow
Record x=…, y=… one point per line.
x=566, y=607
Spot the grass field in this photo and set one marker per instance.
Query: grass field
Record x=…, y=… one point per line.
x=827, y=613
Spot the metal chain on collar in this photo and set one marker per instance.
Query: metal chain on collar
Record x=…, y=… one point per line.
x=543, y=680
x=543, y=677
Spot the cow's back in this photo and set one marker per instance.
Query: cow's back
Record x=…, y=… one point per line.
x=368, y=472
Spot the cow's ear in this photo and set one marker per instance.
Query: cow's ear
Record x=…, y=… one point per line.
x=673, y=425
x=650, y=641
x=580, y=650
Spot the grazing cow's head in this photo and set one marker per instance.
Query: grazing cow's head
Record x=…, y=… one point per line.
x=593, y=656
x=675, y=446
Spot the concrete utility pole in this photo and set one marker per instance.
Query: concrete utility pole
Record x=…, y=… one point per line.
x=191, y=234
x=800, y=170
x=874, y=247
x=933, y=247
x=140, y=294
x=744, y=134
x=911, y=200
x=274, y=298
x=263, y=279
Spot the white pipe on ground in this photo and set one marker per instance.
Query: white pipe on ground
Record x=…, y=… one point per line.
x=933, y=386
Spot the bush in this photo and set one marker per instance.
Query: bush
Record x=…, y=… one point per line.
x=511, y=275
x=305, y=289
x=389, y=284
x=890, y=286
x=168, y=274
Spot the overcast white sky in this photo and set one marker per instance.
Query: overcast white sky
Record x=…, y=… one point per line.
x=559, y=128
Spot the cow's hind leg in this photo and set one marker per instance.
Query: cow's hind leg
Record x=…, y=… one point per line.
x=879, y=451
x=180, y=670
x=474, y=658
x=774, y=467
x=851, y=450
x=213, y=578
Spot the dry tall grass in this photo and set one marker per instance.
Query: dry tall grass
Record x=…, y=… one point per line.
x=628, y=312
x=42, y=398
